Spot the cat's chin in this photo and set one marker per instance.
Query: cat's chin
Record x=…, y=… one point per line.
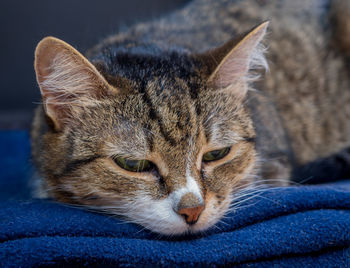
x=167, y=222
x=180, y=229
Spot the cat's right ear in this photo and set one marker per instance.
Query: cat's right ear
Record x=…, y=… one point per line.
x=67, y=80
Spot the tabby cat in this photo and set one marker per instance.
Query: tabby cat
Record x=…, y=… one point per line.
x=160, y=123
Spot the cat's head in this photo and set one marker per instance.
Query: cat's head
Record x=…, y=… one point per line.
x=161, y=138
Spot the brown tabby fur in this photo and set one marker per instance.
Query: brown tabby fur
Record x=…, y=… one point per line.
x=300, y=112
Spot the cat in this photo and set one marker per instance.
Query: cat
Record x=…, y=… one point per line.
x=166, y=123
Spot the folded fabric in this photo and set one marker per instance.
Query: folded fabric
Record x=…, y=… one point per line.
x=285, y=227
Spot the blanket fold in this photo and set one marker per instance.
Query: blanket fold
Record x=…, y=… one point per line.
x=309, y=225
x=285, y=227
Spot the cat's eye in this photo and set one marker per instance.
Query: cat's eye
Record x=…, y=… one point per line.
x=215, y=155
x=134, y=165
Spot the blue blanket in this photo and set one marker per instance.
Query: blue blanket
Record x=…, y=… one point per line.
x=288, y=227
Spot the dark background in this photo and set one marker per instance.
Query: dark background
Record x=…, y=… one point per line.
x=81, y=23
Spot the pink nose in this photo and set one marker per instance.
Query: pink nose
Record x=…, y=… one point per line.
x=190, y=207
x=191, y=214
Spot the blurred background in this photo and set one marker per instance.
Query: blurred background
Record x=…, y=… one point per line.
x=81, y=23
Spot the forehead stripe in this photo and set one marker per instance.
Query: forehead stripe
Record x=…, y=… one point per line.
x=153, y=114
x=147, y=130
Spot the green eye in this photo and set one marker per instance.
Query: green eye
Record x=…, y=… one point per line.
x=215, y=155
x=134, y=165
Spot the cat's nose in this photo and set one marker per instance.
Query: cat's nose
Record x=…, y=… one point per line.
x=190, y=208
x=191, y=215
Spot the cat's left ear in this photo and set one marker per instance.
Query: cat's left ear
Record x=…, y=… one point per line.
x=232, y=62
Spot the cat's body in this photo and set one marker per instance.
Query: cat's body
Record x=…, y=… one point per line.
x=307, y=73
x=155, y=101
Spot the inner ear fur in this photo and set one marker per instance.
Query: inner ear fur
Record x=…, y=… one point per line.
x=231, y=62
x=67, y=80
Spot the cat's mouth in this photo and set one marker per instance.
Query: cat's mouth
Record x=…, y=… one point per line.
x=160, y=217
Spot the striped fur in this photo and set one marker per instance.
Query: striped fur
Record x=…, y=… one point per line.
x=171, y=90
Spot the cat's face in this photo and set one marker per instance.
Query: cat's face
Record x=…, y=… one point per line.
x=166, y=150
